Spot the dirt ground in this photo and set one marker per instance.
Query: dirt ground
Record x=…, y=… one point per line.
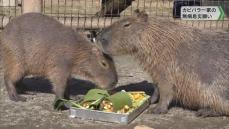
x=38, y=113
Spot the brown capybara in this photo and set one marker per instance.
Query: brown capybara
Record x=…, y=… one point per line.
x=35, y=44
x=189, y=67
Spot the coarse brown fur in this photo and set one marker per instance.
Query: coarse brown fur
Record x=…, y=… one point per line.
x=189, y=67
x=35, y=44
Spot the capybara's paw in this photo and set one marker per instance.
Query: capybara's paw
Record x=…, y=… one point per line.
x=160, y=110
x=207, y=112
x=59, y=104
x=17, y=98
x=157, y=110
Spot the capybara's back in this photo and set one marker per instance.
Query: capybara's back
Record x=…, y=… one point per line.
x=190, y=67
x=39, y=45
x=35, y=39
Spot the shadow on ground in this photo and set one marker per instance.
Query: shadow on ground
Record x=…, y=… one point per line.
x=42, y=85
x=80, y=87
x=145, y=86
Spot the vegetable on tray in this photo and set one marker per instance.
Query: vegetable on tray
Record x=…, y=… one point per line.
x=96, y=99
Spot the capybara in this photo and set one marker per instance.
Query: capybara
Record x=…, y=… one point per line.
x=113, y=8
x=189, y=67
x=35, y=44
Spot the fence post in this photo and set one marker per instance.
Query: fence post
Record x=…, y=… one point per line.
x=32, y=6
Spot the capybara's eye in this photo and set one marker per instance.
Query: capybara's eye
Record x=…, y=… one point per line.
x=126, y=24
x=104, y=64
x=103, y=39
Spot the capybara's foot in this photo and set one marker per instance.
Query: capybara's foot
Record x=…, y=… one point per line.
x=157, y=110
x=17, y=98
x=207, y=112
x=59, y=104
x=160, y=110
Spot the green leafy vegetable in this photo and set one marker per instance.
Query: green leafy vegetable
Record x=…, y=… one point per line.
x=94, y=97
x=97, y=99
x=119, y=100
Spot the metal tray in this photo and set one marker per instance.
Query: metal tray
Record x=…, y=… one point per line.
x=107, y=116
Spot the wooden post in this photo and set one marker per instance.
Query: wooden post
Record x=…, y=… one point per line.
x=32, y=6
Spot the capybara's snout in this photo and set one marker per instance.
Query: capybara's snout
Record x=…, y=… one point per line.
x=102, y=43
x=105, y=83
x=108, y=81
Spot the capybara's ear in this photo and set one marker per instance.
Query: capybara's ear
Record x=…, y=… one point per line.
x=142, y=15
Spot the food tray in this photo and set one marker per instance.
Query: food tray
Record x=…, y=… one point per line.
x=107, y=116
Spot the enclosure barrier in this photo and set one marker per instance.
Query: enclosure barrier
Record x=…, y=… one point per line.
x=80, y=23
x=97, y=14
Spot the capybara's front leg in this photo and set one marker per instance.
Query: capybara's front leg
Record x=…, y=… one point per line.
x=11, y=89
x=166, y=96
x=58, y=77
x=155, y=96
x=59, y=85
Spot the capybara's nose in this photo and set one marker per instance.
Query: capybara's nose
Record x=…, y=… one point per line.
x=103, y=40
x=112, y=84
x=114, y=80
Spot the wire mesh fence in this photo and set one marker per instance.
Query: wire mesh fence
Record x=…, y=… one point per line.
x=10, y=7
x=95, y=14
